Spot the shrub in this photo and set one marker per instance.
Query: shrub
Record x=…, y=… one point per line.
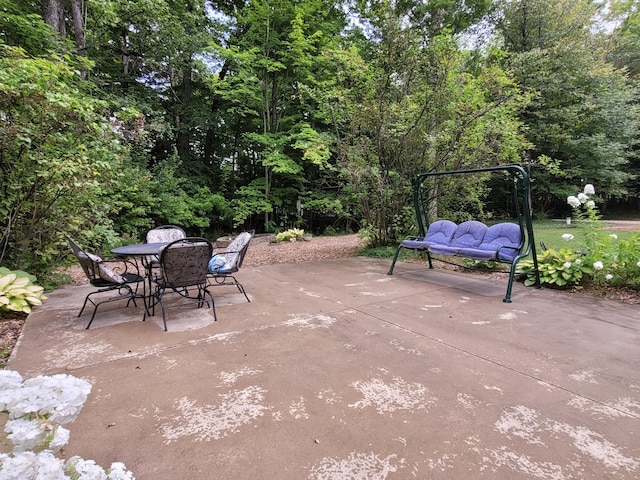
x=601, y=257
x=616, y=262
x=18, y=292
x=290, y=235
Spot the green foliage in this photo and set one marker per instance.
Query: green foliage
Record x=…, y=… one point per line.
x=563, y=268
x=250, y=200
x=585, y=116
x=25, y=28
x=58, y=153
x=417, y=108
x=482, y=264
x=600, y=256
x=217, y=121
x=18, y=292
x=175, y=201
x=379, y=252
x=620, y=261
x=290, y=235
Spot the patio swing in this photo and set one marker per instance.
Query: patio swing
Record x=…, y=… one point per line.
x=504, y=242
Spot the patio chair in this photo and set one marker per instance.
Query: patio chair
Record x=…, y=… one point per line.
x=101, y=275
x=162, y=234
x=224, y=264
x=183, y=269
x=165, y=233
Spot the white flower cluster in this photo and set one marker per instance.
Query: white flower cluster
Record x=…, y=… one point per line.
x=583, y=198
x=37, y=408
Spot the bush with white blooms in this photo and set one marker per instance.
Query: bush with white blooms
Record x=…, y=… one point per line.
x=37, y=408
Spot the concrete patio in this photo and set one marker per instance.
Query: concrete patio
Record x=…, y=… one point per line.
x=336, y=370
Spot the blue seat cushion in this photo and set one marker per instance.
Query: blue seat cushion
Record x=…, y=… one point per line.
x=443, y=249
x=411, y=243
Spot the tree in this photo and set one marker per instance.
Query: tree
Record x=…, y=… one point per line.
x=273, y=64
x=417, y=105
x=626, y=53
x=584, y=117
x=57, y=155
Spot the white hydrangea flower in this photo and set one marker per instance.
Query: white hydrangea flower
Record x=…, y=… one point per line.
x=60, y=397
x=59, y=440
x=567, y=265
x=9, y=382
x=31, y=466
x=567, y=237
x=10, y=379
x=614, y=236
x=590, y=204
x=25, y=434
x=578, y=261
x=589, y=190
x=582, y=198
x=608, y=276
x=85, y=469
x=638, y=264
x=28, y=434
x=36, y=408
x=118, y=471
x=598, y=265
x=573, y=201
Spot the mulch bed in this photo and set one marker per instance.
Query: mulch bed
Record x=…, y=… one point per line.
x=11, y=325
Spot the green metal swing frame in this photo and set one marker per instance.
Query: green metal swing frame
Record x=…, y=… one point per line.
x=522, y=201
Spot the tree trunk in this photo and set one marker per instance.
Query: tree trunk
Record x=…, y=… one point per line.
x=182, y=139
x=53, y=14
x=78, y=26
x=78, y=31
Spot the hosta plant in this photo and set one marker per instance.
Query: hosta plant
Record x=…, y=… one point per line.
x=18, y=293
x=564, y=268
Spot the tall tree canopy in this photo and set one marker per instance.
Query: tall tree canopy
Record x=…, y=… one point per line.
x=271, y=114
x=584, y=118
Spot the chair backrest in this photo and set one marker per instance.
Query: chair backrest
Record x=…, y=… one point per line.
x=468, y=234
x=98, y=273
x=184, y=262
x=165, y=233
x=88, y=262
x=235, y=252
x=505, y=238
x=440, y=232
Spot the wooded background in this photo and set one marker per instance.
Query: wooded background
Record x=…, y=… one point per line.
x=118, y=115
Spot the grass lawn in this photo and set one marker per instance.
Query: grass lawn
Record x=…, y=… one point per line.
x=549, y=232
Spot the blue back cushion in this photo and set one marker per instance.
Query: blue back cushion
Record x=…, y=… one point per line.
x=440, y=232
x=505, y=235
x=469, y=234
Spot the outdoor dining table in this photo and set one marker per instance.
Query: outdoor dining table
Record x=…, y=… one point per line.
x=142, y=252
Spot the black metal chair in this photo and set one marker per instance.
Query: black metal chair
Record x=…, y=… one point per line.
x=183, y=268
x=101, y=275
x=224, y=264
x=163, y=233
